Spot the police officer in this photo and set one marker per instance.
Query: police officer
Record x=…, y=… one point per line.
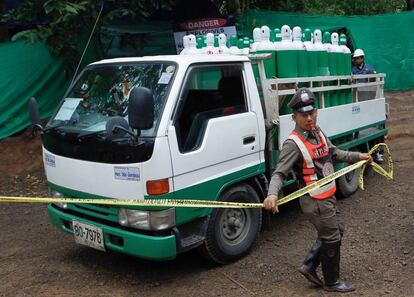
x=360, y=67
x=310, y=153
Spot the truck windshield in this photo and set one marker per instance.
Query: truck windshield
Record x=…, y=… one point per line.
x=102, y=91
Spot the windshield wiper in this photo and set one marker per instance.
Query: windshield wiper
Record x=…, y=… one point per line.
x=61, y=124
x=88, y=134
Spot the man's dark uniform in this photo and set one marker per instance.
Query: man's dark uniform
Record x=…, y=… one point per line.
x=322, y=212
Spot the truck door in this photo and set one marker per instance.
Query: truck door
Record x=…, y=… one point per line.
x=214, y=137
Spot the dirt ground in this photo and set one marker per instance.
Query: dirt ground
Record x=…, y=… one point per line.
x=377, y=255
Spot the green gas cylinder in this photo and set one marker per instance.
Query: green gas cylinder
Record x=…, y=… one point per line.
x=332, y=62
x=199, y=42
x=335, y=51
x=347, y=65
x=312, y=52
x=266, y=46
x=257, y=37
x=234, y=50
x=323, y=64
x=287, y=62
x=332, y=99
x=302, y=55
x=277, y=35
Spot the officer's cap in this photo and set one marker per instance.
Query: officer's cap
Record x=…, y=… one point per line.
x=302, y=101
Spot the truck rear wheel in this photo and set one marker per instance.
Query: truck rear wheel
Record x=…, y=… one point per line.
x=231, y=232
x=347, y=184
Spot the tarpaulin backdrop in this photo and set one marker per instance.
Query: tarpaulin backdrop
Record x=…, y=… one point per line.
x=387, y=39
x=27, y=70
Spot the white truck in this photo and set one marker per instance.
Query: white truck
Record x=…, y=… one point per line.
x=183, y=127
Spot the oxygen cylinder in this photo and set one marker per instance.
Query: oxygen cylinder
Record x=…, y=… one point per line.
x=200, y=42
x=185, y=45
x=203, y=45
x=246, y=46
x=330, y=98
x=240, y=44
x=257, y=37
x=278, y=36
x=302, y=57
x=287, y=65
x=192, y=45
x=347, y=65
x=335, y=54
x=340, y=65
x=333, y=67
x=216, y=42
x=210, y=49
x=234, y=50
x=223, y=49
x=312, y=51
x=323, y=63
x=266, y=46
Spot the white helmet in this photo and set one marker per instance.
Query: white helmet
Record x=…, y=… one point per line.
x=358, y=53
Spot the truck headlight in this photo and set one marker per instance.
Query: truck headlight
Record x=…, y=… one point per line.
x=147, y=220
x=56, y=194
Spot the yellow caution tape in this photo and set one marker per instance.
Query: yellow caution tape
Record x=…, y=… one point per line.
x=216, y=204
x=377, y=168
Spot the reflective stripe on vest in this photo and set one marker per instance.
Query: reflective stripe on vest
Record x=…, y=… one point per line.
x=308, y=167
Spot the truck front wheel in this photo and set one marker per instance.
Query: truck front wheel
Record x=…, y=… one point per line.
x=231, y=232
x=347, y=184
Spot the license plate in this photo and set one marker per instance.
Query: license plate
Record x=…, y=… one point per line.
x=89, y=235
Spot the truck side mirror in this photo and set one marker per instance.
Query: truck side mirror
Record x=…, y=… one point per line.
x=141, y=108
x=34, y=112
x=34, y=116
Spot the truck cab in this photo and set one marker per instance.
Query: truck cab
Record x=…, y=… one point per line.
x=206, y=141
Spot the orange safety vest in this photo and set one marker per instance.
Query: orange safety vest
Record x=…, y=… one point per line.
x=317, y=163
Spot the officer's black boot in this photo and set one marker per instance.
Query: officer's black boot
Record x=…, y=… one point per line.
x=330, y=258
x=312, y=261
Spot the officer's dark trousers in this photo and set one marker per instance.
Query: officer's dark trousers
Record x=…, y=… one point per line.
x=323, y=215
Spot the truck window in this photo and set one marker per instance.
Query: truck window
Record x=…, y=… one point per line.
x=209, y=92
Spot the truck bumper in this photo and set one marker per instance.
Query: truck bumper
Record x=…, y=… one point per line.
x=116, y=239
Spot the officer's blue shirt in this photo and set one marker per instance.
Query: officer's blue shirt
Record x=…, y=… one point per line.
x=365, y=69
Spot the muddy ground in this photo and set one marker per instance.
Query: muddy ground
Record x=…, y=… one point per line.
x=377, y=255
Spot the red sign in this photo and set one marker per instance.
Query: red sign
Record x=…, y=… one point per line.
x=203, y=24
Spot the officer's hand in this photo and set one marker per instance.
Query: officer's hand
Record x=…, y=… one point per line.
x=270, y=203
x=365, y=156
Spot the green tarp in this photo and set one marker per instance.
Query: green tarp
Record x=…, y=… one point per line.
x=27, y=70
x=388, y=39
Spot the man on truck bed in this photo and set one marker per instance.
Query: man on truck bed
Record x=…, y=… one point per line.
x=310, y=154
x=360, y=67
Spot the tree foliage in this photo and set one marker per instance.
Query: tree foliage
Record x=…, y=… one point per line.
x=63, y=23
x=331, y=7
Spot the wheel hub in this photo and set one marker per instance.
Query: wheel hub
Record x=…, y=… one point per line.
x=233, y=223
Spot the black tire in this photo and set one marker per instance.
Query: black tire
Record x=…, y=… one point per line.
x=347, y=184
x=231, y=232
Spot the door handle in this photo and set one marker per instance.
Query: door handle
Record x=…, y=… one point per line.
x=249, y=139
